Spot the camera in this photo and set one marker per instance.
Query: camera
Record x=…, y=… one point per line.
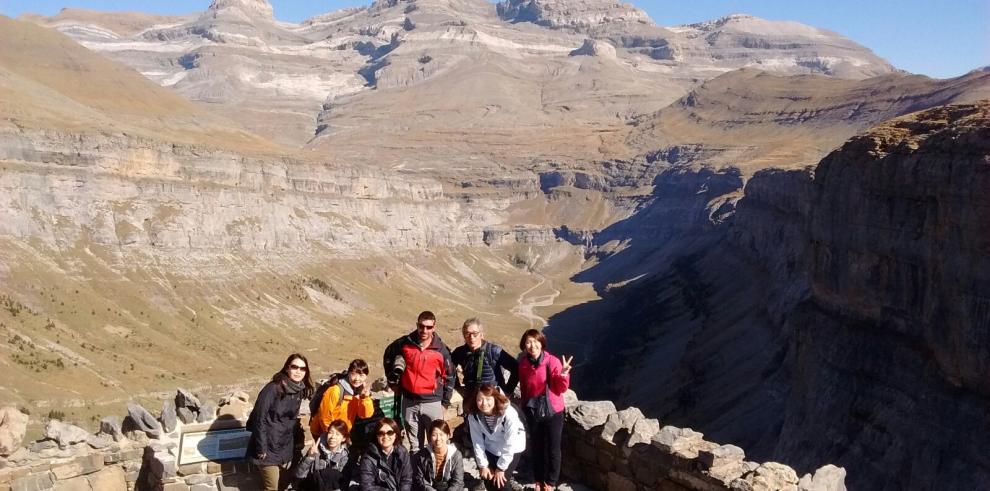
x=398, y=367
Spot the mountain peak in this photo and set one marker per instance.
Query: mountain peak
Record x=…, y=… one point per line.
x=578, y=14
x=243, y=8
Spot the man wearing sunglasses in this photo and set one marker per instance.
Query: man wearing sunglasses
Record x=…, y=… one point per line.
x=418, y=367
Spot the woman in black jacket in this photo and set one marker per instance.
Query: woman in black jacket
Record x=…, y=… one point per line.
x=274, y=419
x=385, y=466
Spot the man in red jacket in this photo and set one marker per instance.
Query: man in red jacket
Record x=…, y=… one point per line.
x=418, y=367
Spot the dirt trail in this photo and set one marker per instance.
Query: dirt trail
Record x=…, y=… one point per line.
x=525, y=304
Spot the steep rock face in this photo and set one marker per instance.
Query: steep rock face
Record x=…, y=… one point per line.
x=147, y=195
x=899, y=270
x=834, y=314
x=925, y=277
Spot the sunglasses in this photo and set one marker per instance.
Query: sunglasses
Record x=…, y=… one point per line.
x=428, y=328
x=296, y=367
x=386, y=433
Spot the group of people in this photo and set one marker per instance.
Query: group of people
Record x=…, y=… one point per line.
x=424, y=374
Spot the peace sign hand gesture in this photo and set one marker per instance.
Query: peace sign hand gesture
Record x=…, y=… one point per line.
x=566, y=367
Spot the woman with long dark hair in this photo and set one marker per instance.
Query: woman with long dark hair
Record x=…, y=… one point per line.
x=543, y=379
x=273, y=421
x=385, y=466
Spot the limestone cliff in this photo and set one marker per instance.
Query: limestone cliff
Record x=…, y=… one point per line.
x=835, y=313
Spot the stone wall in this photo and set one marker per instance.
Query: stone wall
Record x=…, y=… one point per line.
x=625, y=451
x=140, y=453
x=126, y=466
x=603, y=449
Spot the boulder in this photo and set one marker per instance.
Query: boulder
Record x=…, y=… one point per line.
x=771, y=476
x=234, y=408
x=99, y=441
x=590, y=414
x=42, y=445
x=110, y=426
x=671, y=435
x=643, y=431
x=13, y=426
x=235, y=397
x=64, y=433
x=570, y=398
x=622, y=420
x=828, y=478
x=186, y=399
x=185, y=415
x=720, y=456
x=208, y=412
x=168, y=417
x=683, y=442
x=143, y=420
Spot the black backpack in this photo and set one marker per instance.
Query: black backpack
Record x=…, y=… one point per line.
x=491, y=355
x=314, y=402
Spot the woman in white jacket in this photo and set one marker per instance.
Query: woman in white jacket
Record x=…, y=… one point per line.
x=497, y=436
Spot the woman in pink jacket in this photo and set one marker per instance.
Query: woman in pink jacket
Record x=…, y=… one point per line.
x=543, y=379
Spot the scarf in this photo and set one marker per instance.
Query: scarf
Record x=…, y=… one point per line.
x=345, y=386
x=536, y=362
x=292, y=388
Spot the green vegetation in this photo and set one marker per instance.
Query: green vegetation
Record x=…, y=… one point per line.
x=324, y=288
x=13, y=306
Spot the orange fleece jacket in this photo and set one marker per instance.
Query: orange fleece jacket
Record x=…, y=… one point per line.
x=347, y=408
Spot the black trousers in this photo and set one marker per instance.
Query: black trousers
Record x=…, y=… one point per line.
x=492, y=459
x=544, y=444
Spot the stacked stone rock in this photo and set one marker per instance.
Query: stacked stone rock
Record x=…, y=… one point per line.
x=626, y=451
x=603, y=448
x=141, y=452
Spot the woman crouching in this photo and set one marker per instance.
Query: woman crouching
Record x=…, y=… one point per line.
x=440, y=467
x=497, y=436
x=385, y=465
x=327, y=466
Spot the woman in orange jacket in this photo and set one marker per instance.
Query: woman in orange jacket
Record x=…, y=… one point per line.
x=347, y=400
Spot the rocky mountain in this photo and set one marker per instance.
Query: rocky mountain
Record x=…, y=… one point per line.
x=757, y=119
x=496, y=78
x=734, y=41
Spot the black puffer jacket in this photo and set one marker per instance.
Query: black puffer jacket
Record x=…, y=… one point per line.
x=381, y=473
x=273, y=424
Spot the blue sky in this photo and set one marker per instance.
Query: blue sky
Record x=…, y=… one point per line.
x=935, y=38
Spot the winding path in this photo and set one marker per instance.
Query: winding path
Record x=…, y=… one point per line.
x=525, y=304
